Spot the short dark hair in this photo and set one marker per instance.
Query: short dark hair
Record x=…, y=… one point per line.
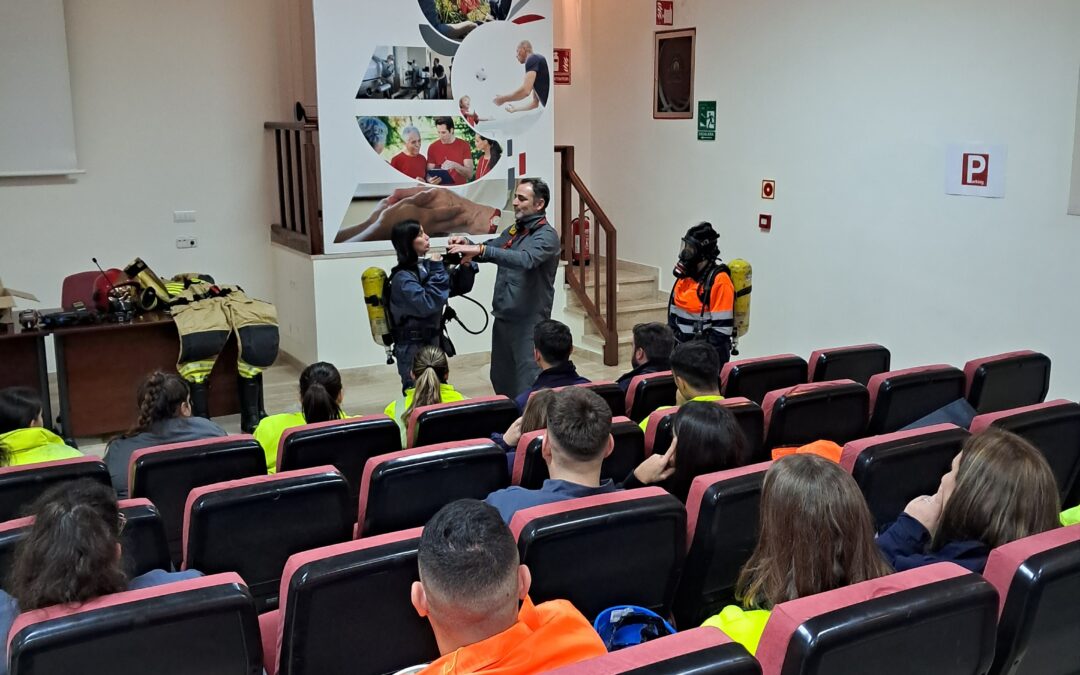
x=579, y=422
x=467, y=556
x=447, y=122
x=553, y=340
x=698, y=363
x=656, y=339
x=710, y=439
x=540, y=190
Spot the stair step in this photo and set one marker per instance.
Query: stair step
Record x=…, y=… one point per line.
x=630, y=312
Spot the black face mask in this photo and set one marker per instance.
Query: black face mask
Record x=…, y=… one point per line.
x=689, y=258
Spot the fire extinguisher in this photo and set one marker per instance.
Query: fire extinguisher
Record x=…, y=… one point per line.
x=580, y=229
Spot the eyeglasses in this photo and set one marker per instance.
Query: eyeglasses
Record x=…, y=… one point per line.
x=122, y=520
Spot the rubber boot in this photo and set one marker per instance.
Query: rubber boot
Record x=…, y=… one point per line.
x=250, y=390
x=200, y=399
x=262, y=405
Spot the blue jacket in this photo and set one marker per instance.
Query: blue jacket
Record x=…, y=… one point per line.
x=562, y=375
x=509, y=501
x=417, y=299
x=905, y=545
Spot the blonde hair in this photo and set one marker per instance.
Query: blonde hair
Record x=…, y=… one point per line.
x=1004, y=491
x=431, y=369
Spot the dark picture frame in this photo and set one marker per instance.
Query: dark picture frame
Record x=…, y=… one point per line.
x=673, y=73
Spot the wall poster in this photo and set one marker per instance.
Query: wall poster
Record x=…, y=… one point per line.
x=428, y=110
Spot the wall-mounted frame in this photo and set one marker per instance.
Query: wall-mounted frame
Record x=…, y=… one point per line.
x=673, y=74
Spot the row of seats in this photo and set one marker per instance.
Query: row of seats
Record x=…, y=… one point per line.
x=896, y=398
x=252, y=525
x=345, y=608
x=201, y=518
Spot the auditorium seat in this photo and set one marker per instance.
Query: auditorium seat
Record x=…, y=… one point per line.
x=624, y=547
x=345, y=609
x=345, y=444
x=648, y=392
x=143, y=540
x=404, y=489
x=206, y=625
x=530, y=471
x=21, y=485
x=611, y=392
x=699, y=651
x=721, y=533
x=900, y=397
x=252, y=526
x=834, y=411
x=938, y=619
x=857, y=363
x=471, y=418
x=748, y=415
x=892, y=469
x=1009, y=380
x=1052, y=427
x=165, y=474
x=754, y=378
x=1038, y=584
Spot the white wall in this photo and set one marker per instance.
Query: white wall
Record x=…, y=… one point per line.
x=574, y=102
x=849, y=106
x=169, y=102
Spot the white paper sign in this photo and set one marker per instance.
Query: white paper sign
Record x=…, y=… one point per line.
x=975, y=170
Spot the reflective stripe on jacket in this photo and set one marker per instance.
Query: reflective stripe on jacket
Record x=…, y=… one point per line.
x=687, y=317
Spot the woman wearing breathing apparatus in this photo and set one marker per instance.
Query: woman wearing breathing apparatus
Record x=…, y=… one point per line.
x=420, y=287
x=702, y=303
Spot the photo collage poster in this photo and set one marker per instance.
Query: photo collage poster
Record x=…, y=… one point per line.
x=430, y=110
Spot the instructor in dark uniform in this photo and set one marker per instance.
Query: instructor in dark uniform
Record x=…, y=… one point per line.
x=527, y=254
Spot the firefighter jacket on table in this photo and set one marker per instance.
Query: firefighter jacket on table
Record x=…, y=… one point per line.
x=205, y=314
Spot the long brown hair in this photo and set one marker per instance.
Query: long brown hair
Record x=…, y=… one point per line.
x=71, y=553
x=1004, y=491
x=816, y=534
x=159, y=398
x=535, y=415
x=431, y=370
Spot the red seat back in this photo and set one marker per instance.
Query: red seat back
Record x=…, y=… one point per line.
x=937, y=619
x=754, y=378
x=900, y=397
x=21, y=485
x=699, y=651
x=857, y=363
x=834, y=411
x=460, y=421
x=648, y=392
x=1005, y=381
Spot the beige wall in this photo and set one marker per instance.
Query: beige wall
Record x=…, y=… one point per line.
x=850, y=106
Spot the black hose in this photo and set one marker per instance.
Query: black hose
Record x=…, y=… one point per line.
x=450, y=315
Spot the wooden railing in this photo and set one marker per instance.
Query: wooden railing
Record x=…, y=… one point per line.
x=580, y=248
x=299, y=203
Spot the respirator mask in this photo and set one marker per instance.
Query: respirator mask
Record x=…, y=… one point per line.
x=698, y=245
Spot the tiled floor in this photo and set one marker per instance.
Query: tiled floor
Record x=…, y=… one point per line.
x=368, y=390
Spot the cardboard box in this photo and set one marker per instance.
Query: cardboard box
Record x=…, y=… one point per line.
x=7, y=302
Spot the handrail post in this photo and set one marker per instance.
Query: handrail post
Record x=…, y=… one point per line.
x=565, y=197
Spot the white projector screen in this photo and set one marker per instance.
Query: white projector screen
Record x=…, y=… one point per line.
x=37, y=131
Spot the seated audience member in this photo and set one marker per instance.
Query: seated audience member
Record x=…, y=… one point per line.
x=552, y=347
x=533, y=418
x=653, y=343
x=999, y=489
x=71, y=555
x=578, y=439
x=474, y=591
x=321, y=395
x=815, y=534
x=23, y=437
x=431, y=373
x=705, y=438
x=164, y=417
x=695, y=367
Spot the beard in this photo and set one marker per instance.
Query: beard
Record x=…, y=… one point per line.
x=634, y=361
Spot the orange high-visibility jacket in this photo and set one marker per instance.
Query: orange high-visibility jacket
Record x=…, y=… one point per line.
x=689, y=316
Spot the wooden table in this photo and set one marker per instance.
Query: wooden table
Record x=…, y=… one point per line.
x=23, y=363
x=99, y=367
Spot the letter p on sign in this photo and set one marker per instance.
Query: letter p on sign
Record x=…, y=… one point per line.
x=976, y=169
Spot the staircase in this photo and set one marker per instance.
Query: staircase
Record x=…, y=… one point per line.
x=639, y=301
